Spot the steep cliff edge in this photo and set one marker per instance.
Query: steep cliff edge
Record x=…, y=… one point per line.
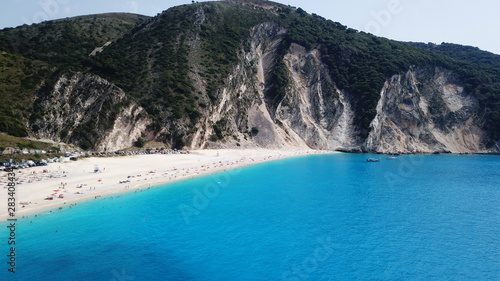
x=245, y=74
x=313, y=112
x=426, y=111
x=89, y=111
x=421, y=111
x=314, y=108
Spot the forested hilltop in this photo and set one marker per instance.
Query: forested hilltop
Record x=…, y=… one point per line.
x=205, y=74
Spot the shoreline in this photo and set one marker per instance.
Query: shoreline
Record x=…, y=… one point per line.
x=97, y=177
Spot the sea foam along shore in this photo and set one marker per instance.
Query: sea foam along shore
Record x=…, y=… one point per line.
x=96, y=177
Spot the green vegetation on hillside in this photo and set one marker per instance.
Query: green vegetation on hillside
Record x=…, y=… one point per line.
x=358, y=62
x=151, y=64
x=465, y=53
x=19, y=77
x=31, y=55
x=67, y=42
x=482, y=75
x=222, y=36
x=155, y=61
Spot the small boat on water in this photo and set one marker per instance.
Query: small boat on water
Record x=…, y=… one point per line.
x=372, y=160
x=391, y=157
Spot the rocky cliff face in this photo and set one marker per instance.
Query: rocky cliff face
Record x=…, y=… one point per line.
x=314, y=113
x=314, y=108
x=89, y=111
x=425, y=111
x=421, y=109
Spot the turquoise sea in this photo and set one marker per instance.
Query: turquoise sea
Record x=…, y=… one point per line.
x=322, y=217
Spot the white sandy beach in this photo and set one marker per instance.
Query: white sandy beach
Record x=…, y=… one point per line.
x=77, y=180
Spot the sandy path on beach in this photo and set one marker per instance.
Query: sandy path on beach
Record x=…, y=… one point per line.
x=78, y=181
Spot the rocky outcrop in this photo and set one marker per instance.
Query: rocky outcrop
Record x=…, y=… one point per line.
x=89, y=111
x=420, y=111
x=313, y=113
x=241, y=103
x=425, y=111
x=236, y=73
x=314, y=108
x=129, y=125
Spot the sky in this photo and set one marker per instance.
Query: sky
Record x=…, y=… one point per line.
x=472, y=23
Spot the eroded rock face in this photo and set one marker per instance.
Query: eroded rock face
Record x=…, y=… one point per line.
x=89, y=111
x=314, y=107
x=424, y=111
x=420, y=111
x=313, y=113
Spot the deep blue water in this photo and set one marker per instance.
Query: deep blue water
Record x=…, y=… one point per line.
x=328, y=217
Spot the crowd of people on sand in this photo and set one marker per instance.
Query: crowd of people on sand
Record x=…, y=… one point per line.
x=139, y=152
x=34, y=176
x=139, y=179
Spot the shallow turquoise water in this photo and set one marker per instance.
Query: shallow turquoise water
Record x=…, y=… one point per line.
x=328, y=217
